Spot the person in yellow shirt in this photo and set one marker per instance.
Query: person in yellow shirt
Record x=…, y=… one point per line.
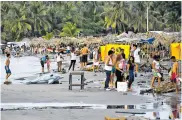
x=174, y=72
x=84, y=53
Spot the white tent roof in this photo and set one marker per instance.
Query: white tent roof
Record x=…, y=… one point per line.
x=128, y=40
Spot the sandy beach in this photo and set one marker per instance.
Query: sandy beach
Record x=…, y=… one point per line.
x=36, y=98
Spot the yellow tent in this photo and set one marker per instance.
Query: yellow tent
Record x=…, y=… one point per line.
x=105, y=49
x=176, y=50
x=102, y=49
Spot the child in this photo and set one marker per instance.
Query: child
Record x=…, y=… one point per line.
x=48, y=64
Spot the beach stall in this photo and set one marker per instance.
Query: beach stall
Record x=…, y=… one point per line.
x=102, y=49
x=118, y=48
x=176, y=50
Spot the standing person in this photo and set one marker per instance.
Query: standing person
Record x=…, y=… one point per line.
x=120, y=68
x=131, y=70
x=136, y=57
x=156, y=70
x=8, y=71
x=122, y=53
x=174, y=72
x=48, y=64
x=68, y=50
x=43, y=61
x=36, y=50
x=59, y=59
x=95, y=60
x=113, y=68
x=73, y=60
x=40, y=50
x=108, y=68
x=84, y=53
x=81, y=59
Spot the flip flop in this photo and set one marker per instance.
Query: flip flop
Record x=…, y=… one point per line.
x=7, y=82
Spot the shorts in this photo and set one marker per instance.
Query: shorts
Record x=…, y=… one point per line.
x=173, y=77
x=81, y=59
x=67, y=51
x=113, y=70
x=59, y=63
x=42, y=63
x=8, y=71
x=84, y=58
x=156, y=74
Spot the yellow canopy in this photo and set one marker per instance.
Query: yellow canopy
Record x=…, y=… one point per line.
x=176, y=50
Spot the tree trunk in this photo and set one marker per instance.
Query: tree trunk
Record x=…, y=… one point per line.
x=117, y=29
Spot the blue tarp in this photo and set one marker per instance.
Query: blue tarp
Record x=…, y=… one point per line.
x=150, y=40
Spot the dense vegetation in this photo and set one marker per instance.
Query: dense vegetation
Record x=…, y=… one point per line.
x=44, y=18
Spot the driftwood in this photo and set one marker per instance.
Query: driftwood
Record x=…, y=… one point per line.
x=165, y=87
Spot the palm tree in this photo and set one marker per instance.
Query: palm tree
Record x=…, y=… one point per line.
x=139, y=16
x=38, y=17
x=174, y=21
x=118, y=15
x=16, y=22
x=70, y=30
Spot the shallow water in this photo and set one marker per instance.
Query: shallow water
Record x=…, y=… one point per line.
x=30, y=66
x=146, y=110
x=22, y=67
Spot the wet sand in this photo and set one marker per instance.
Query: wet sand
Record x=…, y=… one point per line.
x=59, y=93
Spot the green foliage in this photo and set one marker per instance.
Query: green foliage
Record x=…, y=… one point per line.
x=48, y=36
x=36, y=18
x=69, y=30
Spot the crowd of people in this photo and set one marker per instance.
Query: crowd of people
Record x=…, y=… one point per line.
x=119, y=66
x=116, y=65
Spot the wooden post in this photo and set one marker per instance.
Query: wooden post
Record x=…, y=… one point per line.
x=82, y=82
x=70, y=82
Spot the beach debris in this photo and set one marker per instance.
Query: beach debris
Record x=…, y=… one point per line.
x=120, y=118
x=165, y=87
x=127, y=118
x=45, y=79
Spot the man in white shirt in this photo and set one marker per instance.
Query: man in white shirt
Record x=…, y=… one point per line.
x=136, y=56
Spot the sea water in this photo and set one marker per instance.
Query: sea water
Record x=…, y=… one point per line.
x=22, y=67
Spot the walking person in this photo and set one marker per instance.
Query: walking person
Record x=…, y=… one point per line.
x=156, y=70
x=8, y=71
x=108, y=68
x=131, y=68
x=59, y=59
x=73, y=60
x=174, y=73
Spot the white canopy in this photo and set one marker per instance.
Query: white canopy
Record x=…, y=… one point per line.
x=128, y=40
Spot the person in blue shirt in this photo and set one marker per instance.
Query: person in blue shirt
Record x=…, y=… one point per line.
x=43, y=61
